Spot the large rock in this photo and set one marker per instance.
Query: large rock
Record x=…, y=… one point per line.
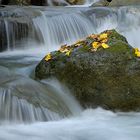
x=109, y=78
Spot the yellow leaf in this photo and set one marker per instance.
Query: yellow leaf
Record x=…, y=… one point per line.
x=77, y=44
x=93, y=36
x=105, y=46
x=103, y=36
x=68, y=53
x=137, y=52
x=104, y=40
x=95, y=45
x=63, y=49
x=48, y=57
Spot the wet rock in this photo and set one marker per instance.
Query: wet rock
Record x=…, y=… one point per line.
x=16, y=26
x=124, y=2
x=4, y=2
x=101, y=3
x=109, y=78
x=38, y=3
x=16, y=2
x=11, y=32
x=73, y=2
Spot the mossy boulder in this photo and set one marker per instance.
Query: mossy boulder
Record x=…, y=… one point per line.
x=109, y=77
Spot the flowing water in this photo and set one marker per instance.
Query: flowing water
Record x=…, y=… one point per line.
x=40, y=110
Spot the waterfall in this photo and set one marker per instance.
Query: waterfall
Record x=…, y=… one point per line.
x=59, y=2
x=16, y=27
x=52, y=28
x=17, y=110
x=65, y=95
x=24, y=100
x=62, y=29
x=90, y=2
x=66, y=28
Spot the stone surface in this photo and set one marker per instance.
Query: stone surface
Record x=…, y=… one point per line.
x=124, y=2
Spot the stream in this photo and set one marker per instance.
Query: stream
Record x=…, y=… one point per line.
x=46, y=110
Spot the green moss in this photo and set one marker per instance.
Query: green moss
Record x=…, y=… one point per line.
x=118, y=47
x=84, y=49
x=116, y=36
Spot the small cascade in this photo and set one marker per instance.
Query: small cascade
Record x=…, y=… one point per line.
x=63, y=28
x=54, y=27
x=58, y=29
x=64, y=94
x=90, y=2
x=24, y=100
x=16, y=27
x=7, y=34
x=13, y=109
x=56, y=2
x=45, y=101
x=11, y=33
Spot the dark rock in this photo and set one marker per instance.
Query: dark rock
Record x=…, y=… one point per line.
x=16, y=25
x=38, y=2
x=109, y=78
x=73, y=2
x=12, y=32
x=5, y=2
x=16, y=2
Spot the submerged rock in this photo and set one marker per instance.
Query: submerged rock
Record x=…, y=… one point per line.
x=101, y=70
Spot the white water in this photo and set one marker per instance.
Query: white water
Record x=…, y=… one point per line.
x=54, y=27
x=63, y=28
x=68, y=27
x=90, y=2
x=90, y=124
x=85, y=2
x=19, y=93
x=50, y=2
x=15, y=110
